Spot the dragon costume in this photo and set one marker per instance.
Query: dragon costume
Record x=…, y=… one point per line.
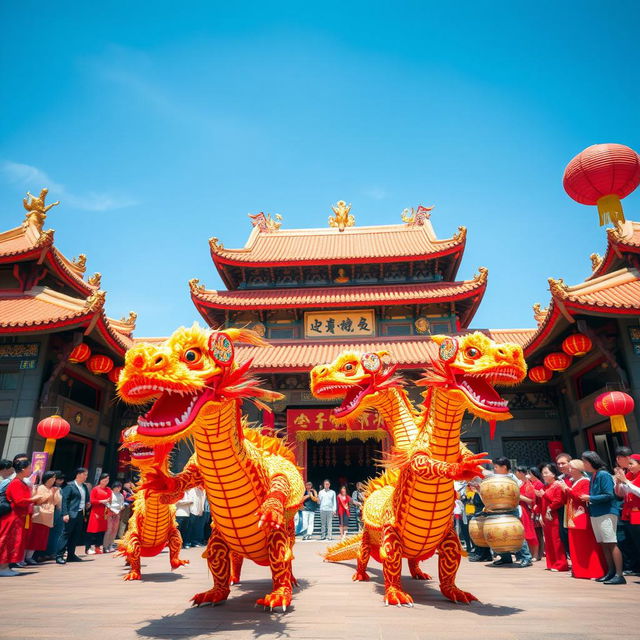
x=409, y=513
x=252, y=483
x=153, y=524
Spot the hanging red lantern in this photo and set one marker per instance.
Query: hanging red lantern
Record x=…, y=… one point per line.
x=53, y=428
x=540, y=374
x=80, y=353
x=614, y=405
x=577, y=344
x=557, y=361
x=114, y=374
x=99, y=364
x=602, y=175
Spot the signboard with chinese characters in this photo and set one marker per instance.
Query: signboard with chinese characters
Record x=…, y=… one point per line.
x=634, y=336
x=23, y=354
x=318, y=424
x=332, y=324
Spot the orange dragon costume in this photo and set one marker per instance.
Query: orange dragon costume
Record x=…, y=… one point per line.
x=153, y=524
x=411, y=517
x=252, y=483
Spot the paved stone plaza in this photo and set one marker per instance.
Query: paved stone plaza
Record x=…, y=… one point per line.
x=90, y=601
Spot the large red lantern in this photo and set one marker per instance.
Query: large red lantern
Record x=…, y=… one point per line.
x=80, y=353
x=114, y=374
x=615, y=405
x=99, y=364
x=540, y=374
x=557, y=361
x=577, y=344
x=53, y=428
x=603, y=174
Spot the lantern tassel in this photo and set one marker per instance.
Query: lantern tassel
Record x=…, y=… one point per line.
x=618, y=424
x=610, y=210
x=50, y=446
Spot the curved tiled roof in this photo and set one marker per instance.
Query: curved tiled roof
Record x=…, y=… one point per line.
x=620, y=240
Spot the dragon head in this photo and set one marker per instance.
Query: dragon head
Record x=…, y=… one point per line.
x=357, y=379
x=143, y=456
x=469, y=367
x=192, y=368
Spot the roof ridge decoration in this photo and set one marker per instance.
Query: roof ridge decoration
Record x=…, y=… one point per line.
x=195, y=286
x=461, y=234
x=413, y=217
x=596, y=261
x=265, y=222
x=45, y=238
x=539, y=314
x=36, y=209
x=95, y=302
x=558, y=287
x=482, y=275
x=215, y=244
x=342, y=218
x=131, y=320
x=95, y=280
x=80, y=263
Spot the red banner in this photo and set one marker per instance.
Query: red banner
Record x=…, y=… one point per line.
x=318, y=424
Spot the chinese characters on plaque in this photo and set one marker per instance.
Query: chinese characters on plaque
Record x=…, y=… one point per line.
x=330, y=324
x=322, y=420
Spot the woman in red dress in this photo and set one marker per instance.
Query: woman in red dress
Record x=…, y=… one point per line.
x=552, y=500
x=14, y=525
x=535, y=477
x=527, y=502
x=587, y=559
x=100, y=498
x=344, y=500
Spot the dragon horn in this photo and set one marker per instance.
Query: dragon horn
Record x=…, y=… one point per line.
x=246, y=336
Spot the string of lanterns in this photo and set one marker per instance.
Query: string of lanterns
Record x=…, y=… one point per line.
x=98, y=364
x=576, y=345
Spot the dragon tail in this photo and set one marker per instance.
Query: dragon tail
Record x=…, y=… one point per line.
x=346, y=549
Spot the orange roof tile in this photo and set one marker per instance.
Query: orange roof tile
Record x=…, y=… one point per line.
x=355, y=244
x=23, y=239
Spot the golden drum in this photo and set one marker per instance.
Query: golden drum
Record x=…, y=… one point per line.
x=503, y=533
x=500, y=493
x=476, y=531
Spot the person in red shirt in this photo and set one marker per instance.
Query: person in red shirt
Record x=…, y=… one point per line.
x=100, y=498
x=527, y=503
x=344, y=500
x=562, y=462
x=628, y=488
x=552, y=501
x=535, y=477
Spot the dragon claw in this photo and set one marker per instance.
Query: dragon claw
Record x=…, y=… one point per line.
x=420, y=575
x=213, y=596
x=397, y=597
x=457, y=595
x=360, y=576
x=278, y=598
x=132, y=575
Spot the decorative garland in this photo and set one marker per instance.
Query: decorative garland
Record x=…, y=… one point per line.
x=334, y=435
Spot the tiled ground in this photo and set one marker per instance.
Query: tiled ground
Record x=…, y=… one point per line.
x=89, y=600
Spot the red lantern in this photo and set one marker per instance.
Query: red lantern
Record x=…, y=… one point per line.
x=53, y=428
x=577, y=344
x=603, y=174
x=99, y=364
x=540, y=374
x=80, y=353
x=557, y=361
x=114, y=374
x=615, y=405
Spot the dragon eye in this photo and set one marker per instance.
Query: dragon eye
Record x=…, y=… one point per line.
x=349, y=367
x=192, y=355
x=472, y=353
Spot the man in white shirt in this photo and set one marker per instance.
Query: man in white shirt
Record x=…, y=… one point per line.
x=196, y=519
x=183, y=514
x=328, y=508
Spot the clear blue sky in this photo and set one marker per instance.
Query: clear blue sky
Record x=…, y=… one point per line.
x=160, y=124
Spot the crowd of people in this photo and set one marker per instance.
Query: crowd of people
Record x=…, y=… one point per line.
x=47, y=518
x=576, y=515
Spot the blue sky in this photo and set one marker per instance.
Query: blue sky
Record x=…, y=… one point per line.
x=161, y=124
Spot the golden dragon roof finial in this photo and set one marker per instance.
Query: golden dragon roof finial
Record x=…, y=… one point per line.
x=36, y=209
x=215, y=244
x=416, y=217
x=195, y=286
x=265, y=222
x=131, y=320
x=596, y=261
x=80, y=263
x=558, y=287
x=482, y=275
x=539, y=314
x=95, y=279
x=95, y=301
x=343, y=217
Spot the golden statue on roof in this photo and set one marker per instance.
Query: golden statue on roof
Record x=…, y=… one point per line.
x=265, y=222
x=343, y=218
x=80, y=262
x=36, y=209
x=417, y=216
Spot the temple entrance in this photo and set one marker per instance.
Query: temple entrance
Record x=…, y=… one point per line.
x=342, y=461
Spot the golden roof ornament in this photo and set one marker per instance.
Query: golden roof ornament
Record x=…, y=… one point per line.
x=95, y=279
x=46, y=237
x=416, y=217
x=558, y=287
x=95, y=301
x=36, y=209
x=215, y=244
x=343, y=217
x=80, y=263
x=596, y=261
x=265, y=222
x=131, y=320
x=195, y=286
x=539, y=314
x=461, y=234
x=482, y=275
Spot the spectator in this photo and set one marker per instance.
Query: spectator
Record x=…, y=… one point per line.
x=344, y=500
x=535, y=477
x=630, y=560
x=328, y=508
x=47, y=498
x=75, y=503
x=196, y=520
x=527, y=503
x=587, y=560
x=358, y=502
x=100, y=498
x=603, y=510
x=183, y=514
x=13, y=525
x=562, y=463
x=628, y=488
x=128, y=493
x=309, y=508
x=115, y=506
x=468, y=510
x=6, y=474
x=207, y=520
x=552, y=500
x=58, y=525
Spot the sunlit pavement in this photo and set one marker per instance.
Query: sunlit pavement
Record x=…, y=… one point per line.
x=90, y=600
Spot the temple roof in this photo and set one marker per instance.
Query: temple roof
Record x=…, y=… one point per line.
x=346, y=296
x=620, y=240
x=292, y=247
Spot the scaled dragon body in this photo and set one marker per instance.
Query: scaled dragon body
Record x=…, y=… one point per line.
x=252, y=483
x=413, y=519
x=152, y=525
